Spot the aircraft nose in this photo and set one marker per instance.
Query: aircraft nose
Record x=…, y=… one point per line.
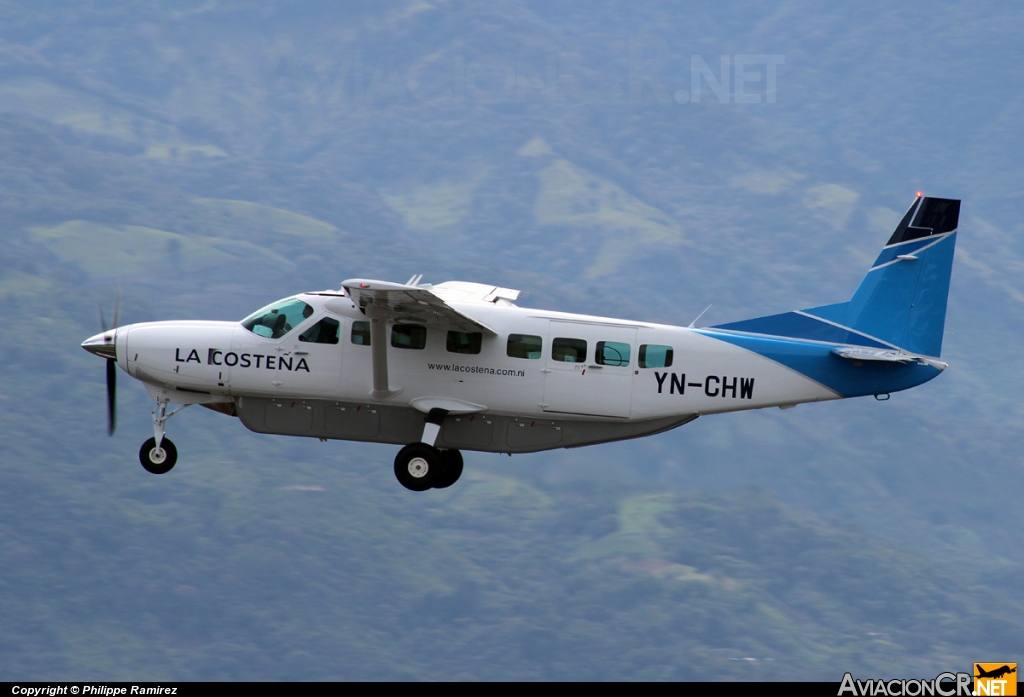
x=102, y=345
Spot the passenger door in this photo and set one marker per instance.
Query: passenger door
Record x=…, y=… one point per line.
x=589, y=369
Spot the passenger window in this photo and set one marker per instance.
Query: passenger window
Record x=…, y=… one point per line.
x=612, y=353
x=361, y=333
x=654, y=356
x=464, y=342
x=524, y=346
x=569, y=350
x=408, y=336
x=325, y=331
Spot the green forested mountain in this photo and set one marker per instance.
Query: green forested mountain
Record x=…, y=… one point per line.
x=209, y=158
x=307, y=571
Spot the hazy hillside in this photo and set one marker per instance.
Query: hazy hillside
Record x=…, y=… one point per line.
x=209, y=158
x=248, y=571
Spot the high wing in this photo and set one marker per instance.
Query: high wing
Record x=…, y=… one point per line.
x=381, y=301
x=397, y=301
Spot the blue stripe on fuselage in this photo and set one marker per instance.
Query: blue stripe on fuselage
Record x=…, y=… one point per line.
x=846, y=377
x=799, y=326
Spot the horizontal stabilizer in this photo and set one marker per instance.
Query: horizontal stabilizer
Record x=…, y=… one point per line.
x=857, y=354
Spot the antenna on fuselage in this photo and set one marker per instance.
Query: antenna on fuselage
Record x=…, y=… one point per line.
x=690, y=325
x=415, y=280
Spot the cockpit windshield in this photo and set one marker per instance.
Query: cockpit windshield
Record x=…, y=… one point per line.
x=277, y=319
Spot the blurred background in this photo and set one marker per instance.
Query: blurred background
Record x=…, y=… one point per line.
x=639, y=160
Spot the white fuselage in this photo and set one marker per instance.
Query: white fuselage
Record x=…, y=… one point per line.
x=208, y=362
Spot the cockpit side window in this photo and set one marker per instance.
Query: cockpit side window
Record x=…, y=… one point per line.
x=276, y=320
x=325, y=331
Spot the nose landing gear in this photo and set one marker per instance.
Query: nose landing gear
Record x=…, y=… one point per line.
x=158, y=460
x=158, y=454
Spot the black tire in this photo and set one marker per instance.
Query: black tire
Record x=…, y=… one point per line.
x=151, y=462
x=451, y=461
x=417, y=466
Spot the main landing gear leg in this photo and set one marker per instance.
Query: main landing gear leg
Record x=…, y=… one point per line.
x=421, y=466
x=158, y=454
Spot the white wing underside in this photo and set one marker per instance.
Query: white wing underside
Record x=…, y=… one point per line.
x=382, y=301
x=427, y=304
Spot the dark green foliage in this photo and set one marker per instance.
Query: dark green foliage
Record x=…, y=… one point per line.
x=225, y=571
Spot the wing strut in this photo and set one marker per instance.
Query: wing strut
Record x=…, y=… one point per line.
x=379, y=351
x=382, y=301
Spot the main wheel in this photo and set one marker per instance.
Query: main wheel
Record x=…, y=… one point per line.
x=451, y=461
x=417, y=466
x=158, y=461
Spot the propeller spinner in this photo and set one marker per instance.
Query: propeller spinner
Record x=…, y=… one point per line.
x=104, y=345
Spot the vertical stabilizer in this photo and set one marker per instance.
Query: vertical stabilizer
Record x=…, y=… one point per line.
x=902, y=300
x=900, y=304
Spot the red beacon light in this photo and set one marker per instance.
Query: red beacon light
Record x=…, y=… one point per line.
x=919, y=194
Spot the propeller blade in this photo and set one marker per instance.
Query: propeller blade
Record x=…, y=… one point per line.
x=111, y=397
x=103, y=321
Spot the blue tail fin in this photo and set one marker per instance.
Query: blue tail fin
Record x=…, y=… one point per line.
x=900, y=304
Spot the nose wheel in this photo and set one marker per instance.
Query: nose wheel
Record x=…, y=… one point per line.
x=158, y=454
x=158, y=460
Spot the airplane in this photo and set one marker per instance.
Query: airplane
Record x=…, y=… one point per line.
x=995, y=673
x=459, y=366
